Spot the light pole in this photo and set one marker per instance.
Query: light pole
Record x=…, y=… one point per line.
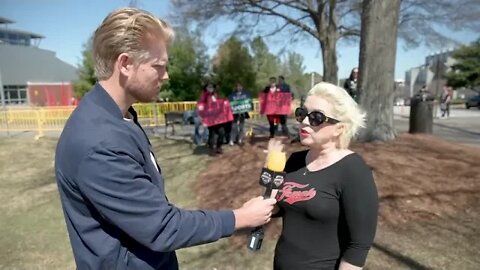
x=4, y=106
x=2, y=94
x=437, y=73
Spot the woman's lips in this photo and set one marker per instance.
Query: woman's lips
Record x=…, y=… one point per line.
x=304, y=133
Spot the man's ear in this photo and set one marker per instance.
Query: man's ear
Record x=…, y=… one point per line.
x=124, y=64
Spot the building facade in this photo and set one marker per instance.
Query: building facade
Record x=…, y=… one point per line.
x=30, y=75
x=431, y=74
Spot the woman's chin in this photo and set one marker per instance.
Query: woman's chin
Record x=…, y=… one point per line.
x=306, y=141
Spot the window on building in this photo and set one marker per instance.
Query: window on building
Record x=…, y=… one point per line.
x=15, y=94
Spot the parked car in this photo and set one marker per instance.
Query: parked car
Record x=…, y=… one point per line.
x=473, y=102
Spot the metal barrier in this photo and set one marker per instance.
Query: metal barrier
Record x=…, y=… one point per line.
x=152, y=114
x=43, y=119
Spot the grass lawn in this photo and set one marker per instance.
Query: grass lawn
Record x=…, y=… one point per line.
x=429, y=203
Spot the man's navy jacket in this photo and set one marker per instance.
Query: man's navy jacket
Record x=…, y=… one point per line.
x=113, y=195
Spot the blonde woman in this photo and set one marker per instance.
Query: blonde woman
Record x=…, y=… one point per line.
x=329, y=201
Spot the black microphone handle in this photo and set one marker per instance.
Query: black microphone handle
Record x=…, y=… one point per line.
x=266, y=195
x=268, y=191
x=270, y=180
x=256, y=235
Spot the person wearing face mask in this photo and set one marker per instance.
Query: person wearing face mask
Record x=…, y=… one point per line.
x=328, y=201
x=216, y=133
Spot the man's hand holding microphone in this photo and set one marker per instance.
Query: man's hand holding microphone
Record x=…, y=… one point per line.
x=271, y=177
x=258, y=211
x=253, y=213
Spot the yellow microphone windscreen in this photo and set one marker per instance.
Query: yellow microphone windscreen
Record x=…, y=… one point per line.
x=276, y=161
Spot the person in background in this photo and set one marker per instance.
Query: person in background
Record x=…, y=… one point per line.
x=238, y=131
x=74, y=101
x=284, y=88
x=328, y=201
x=445, y=100
x=351, y=84
x=273, y=119
x=216, y=133
x=227, y=127
x=111, y=188
x=200, y=133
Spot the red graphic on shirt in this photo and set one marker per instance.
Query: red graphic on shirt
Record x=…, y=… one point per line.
x=288, y=195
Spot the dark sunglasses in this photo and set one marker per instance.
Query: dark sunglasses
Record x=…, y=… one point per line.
x=315, y=118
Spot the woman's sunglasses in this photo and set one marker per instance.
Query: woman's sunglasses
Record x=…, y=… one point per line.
x=315, y=118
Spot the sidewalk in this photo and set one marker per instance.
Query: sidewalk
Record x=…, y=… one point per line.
x=463, y=126
x=457, y=110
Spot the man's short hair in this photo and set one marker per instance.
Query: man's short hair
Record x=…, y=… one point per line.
x=126, y=30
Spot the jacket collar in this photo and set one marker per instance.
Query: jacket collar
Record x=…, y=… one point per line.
x=100, y=97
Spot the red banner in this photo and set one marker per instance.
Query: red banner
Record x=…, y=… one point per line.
x=275, y=103
x=215, y=112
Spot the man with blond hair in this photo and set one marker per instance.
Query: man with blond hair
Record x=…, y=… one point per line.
x=111, y=188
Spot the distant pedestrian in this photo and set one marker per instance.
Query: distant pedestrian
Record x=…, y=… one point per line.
x=445, y=100
x=351, y=84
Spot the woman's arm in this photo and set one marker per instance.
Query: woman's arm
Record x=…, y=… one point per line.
x=359, y=201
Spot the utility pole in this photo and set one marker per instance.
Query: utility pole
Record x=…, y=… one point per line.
x=4, y=105
x=2, y=94
x=437, y=73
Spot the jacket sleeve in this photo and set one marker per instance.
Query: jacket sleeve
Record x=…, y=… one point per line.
x=359, y=201
x=346, y=85
x=114, y=182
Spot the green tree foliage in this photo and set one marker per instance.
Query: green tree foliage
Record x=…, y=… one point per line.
x=233, y=63
x=86, y=72
x=188, y=66
x=466, y=72
x=293, y=71
x=265, y=64
x=329, y=21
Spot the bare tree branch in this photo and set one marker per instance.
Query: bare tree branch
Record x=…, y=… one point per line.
x=271, y=12
x=298, y=5
x=348, y=32
x=328, y=21
x=277, y=30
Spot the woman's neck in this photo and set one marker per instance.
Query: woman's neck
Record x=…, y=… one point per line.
x=322, y=157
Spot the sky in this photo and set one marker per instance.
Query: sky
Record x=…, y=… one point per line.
x=67, y=25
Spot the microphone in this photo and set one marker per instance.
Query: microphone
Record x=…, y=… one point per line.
x=271, y=178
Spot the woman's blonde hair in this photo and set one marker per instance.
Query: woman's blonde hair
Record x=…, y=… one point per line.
x=126, y=30
x=345, y=109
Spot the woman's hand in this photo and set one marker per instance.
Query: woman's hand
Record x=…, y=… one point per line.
x=275, y=155
x=275, y=145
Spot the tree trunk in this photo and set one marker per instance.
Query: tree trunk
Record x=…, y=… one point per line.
x=329, y=56
x=378, y=45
